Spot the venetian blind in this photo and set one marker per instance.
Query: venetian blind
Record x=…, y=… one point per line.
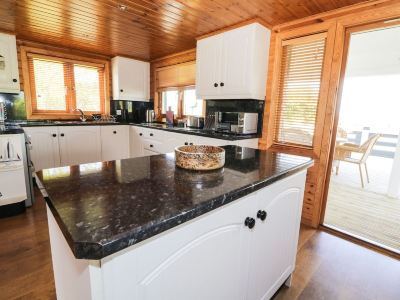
x=299, y=89
x=62, y=85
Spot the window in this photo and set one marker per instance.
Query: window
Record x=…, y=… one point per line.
x=183, y=102
x=58, y=86
x=299, y=90
x=191, y=105
x=170, y=99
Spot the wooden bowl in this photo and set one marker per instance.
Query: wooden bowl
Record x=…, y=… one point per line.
x=199, y=157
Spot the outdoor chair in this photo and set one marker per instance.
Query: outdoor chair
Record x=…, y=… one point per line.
x=344, y=153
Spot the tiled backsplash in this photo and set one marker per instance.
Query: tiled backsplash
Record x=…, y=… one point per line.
x=240, y=105
x=15, y=106
x=131, y=111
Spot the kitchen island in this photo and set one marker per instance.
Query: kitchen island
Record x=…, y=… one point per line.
x=143, y=229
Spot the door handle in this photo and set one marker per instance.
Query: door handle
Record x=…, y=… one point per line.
x=249, y=222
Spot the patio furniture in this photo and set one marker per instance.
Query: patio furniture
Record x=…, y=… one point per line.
x=344, y=152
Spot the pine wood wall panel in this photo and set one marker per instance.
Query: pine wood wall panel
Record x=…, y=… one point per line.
x=144, y=29
x=318, y=176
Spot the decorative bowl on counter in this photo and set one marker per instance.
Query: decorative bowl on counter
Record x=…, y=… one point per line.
x=199, y=157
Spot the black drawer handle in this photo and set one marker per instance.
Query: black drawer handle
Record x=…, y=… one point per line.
x=190, y=144
x=15, y=80
x=140, y=134
x=262, y=215
x=250, y=222
x=121, y=90
x=62, y=134
x=114, y=132
x=151, y=146
x=215, y=84
x=186, y=143
x=151, y=134
x=222, y=84
x=54, y=135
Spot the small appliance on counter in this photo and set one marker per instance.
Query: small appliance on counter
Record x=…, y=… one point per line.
x=16, y=187
x=195, y=122
x=169, y=117
x=236, y=122
x=150, y=116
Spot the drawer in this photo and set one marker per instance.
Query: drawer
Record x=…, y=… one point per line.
x=153, y=145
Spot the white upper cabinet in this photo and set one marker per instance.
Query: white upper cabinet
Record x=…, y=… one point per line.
x=233, y=64
x=131, y=79
x=9, y=75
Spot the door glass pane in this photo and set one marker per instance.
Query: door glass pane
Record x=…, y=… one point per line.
x=49, y=85
x=87, y=88
x=170, y=99
x=191, y=105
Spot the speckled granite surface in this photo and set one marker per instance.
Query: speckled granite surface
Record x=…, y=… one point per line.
x=105, y=207
x=200, y=132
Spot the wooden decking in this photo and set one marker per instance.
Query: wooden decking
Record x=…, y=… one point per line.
x=370, y=215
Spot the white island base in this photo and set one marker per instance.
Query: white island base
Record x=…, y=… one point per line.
x=214, y=256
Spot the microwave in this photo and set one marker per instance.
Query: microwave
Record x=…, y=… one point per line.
x=236, y=122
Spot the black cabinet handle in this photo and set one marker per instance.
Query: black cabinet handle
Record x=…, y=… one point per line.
x=151, y=134
x=62, y=134
x=215, y=84
x=186, y=143
x=151, y=146
x=114, y=132
x=249, y=222
x=140, y=134
x=262, y=215
x=54, y=135
x=15, y=80
x=121, y=90
x=222, y=84
x=190, y=144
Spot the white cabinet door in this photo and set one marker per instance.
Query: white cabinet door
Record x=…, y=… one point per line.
x=274, y=242
x=136, y=141
x=131, y=79
x=45, y=151
x=208, y=67
x=114, y=142
x=79, y=144
x=9, y=75
x=236, y=62
x=204, y=259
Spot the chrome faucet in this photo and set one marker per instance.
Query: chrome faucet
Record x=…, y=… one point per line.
x=82, y=117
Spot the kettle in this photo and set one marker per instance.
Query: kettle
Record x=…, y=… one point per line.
x=150, y=116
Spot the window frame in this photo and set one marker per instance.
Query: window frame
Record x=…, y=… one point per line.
x=180, y=90
x=28, y=53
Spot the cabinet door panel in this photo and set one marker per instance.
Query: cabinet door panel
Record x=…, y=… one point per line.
x=274, y=243
x=207, y=259
x=208, y=65
x=45, y=149
x=114, y=142
x=236, y=61
x=79, y=144
x=9, y=75
x=136, y=143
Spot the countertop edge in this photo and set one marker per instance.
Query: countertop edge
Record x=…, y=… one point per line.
x=127, y=239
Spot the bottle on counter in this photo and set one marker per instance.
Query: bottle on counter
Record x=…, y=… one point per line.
x=169, y=116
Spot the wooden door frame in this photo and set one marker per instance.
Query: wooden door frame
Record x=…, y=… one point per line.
x=345, y=27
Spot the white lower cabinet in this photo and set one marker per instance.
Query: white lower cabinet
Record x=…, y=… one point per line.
x=159, y=141
x=45, y=152
x=79, y=144
x=114, y=142
x=214, y=257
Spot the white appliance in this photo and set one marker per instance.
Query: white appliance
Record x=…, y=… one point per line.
x=13, y=190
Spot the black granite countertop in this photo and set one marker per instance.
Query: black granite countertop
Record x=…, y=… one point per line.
x=10, y=129
x=200, y=132
x=66, y=123
x=105, y=207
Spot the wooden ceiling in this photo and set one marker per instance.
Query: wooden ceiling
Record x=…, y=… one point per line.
x=145, y=29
